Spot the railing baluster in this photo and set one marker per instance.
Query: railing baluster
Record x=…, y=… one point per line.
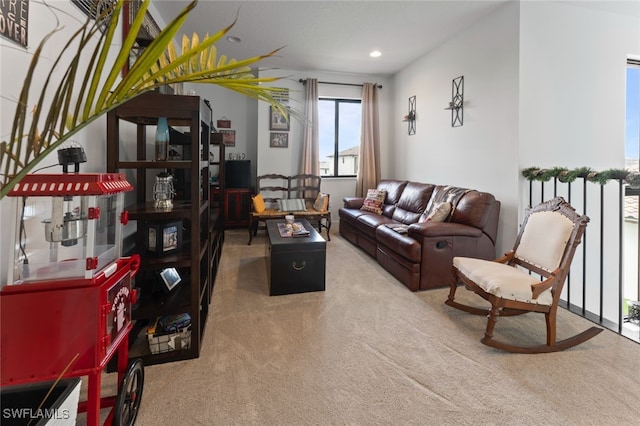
x=620, y=253
x=584, y=249
x=601, y=251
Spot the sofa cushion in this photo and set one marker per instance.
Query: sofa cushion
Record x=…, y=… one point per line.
x=473, y=209
x=413, y=202
x=350, y=215
x=393, y=188
x=440, y=212
x=374, y=200
x=401, y=244
x=367, y=223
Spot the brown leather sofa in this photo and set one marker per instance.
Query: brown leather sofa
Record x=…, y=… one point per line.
x=422, y=257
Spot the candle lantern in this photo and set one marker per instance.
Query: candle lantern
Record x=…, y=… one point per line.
x=163, y=191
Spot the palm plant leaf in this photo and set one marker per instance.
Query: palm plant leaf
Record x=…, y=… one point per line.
x=87, y=91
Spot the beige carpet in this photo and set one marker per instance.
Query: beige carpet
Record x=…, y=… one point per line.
x=369, y=352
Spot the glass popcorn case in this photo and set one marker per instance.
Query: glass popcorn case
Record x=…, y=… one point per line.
x=67, y=226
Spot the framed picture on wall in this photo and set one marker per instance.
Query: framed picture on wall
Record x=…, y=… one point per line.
x=228, y=137
x=278, y=121
x=279, y=140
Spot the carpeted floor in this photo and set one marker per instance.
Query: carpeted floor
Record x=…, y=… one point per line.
x=369, y=352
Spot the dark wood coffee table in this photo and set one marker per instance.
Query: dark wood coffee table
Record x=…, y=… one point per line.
x=295, y=264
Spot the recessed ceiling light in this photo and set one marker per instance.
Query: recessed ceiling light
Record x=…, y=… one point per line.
x=233, y=39
x=375, y=54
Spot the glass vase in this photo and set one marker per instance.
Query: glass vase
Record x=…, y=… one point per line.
x=162, y=139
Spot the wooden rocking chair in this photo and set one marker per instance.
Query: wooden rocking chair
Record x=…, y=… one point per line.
x=545, y=246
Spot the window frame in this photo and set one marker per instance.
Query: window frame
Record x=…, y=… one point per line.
x=336, y=130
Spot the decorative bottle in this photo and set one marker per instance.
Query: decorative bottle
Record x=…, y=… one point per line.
x=162, y=139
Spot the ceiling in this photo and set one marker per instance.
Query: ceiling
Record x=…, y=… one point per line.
x=331, y=35
x=337, y=36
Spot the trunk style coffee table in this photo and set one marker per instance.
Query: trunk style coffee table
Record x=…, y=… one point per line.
x=295, y=264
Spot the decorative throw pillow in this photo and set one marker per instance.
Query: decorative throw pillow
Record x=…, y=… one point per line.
x=322, y=202
x=439, y=212
x=258, y=203
x=373, y=202
x=292, y=205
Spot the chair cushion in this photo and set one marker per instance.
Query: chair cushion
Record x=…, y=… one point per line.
x=501, y=280
x=544, y=239
x=322, y=202
x=292, y=205
x=374, y=200
x=258, y=203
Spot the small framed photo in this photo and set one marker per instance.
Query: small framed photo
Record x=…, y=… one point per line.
x=164, y=237
x=228, y=137
x=170, y=277
x=279, y=140
x=278, y=121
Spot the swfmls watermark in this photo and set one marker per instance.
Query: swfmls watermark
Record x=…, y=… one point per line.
x=36, y=414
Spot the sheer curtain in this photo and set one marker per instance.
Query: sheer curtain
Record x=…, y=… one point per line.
x=369, y=159
x=311, y=142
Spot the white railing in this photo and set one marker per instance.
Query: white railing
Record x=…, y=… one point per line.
x=604, y=274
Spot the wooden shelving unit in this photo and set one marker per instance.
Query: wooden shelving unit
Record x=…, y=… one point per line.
x=132, y=151
x=216, y=200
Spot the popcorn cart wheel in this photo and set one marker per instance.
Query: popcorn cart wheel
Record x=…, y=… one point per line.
x=129, y=394
x=66, y=306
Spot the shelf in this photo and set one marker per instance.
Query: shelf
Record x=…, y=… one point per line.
x=193, y=260
x=180, y=258
x=153, y=306
x=180, y=210
x=152, y=164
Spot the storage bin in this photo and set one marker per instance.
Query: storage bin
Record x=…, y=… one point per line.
x=166, y=341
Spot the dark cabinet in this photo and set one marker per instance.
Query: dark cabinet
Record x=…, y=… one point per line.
x=237, y=206
x=238, y=174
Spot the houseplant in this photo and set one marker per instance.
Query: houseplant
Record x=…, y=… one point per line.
x=84, y=93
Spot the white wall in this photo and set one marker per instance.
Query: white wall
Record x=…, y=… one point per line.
x=572, y=114
x=572, y=85
x=241, y=110
x=483, y=153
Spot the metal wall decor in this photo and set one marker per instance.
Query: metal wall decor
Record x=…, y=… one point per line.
x=411, y=117
x=457, y=99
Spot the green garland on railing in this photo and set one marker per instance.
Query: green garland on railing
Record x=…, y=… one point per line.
x=565, y=175
x=571, y=175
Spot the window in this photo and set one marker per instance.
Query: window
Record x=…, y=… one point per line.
x=339, y=131
x=632, y=154
x=631, y=259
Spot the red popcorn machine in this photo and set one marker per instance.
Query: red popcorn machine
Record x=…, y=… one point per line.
x=66, y=306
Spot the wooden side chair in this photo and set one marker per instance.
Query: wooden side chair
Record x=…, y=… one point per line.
x=528, y=278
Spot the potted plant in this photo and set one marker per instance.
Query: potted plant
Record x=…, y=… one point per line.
x=85, y=93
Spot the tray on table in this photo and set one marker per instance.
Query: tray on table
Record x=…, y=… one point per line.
x=286, y=230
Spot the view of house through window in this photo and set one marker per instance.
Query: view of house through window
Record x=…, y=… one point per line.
x=632, y=196
x=339, y=131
